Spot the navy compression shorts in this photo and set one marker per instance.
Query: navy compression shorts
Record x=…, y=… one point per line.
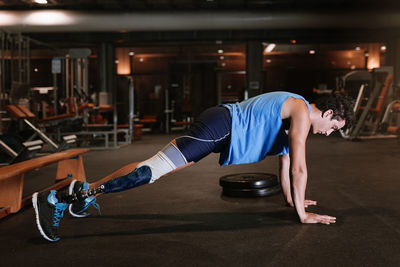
x=209, y=133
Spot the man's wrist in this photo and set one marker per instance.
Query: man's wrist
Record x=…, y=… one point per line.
x=302, y=216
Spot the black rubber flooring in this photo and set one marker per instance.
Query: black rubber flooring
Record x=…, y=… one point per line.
x=182, y=220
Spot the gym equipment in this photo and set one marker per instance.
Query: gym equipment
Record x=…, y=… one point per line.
x=22, y=113
x=149, y=121
x=14, y=67
x=139, y=176
x=27, y=152
x=368, y=116
x=249, y=185
x=261, y=192
x=248, y=180
x=82, y=119
x=391, y=118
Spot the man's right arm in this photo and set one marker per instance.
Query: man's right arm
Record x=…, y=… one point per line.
x=284, y=175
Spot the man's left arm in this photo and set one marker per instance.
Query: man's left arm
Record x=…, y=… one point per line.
x=300, y=125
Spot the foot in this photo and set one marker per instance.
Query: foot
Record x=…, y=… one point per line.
x=78, y=208
x=48, y=212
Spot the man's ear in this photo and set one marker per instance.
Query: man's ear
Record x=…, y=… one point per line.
x=327, y=113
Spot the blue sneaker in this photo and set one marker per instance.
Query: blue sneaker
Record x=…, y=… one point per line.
x=78, y=208
x=48, y=212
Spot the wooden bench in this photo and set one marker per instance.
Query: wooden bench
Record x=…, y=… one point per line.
x=70, y=166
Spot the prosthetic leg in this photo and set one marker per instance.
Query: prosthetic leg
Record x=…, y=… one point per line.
x=165, y=161
x=138, y=177
x=80, y=196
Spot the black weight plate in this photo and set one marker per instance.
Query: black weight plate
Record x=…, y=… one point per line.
x=248, y=180
x=261, y=192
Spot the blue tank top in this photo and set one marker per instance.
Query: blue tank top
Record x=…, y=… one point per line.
x=257, y=129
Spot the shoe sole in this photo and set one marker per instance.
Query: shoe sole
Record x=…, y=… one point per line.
x=71, y=190
x=36, y=208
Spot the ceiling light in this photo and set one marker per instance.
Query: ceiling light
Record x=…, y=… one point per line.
x=269, y=48
x=221, y=57
x=7, y=18
x=312, y=52
x=42, y=2
x=383, y=48
x=141, y=59
x=220, y=51
x=268, y=60
x=131, y=54
x=54, y=17
x=358, y=48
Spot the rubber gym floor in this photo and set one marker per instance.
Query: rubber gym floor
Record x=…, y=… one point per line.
x=183, y=220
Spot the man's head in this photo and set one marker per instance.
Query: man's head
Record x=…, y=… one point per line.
x=336, y=112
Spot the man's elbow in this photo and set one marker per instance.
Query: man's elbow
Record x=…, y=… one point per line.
x=298, y=171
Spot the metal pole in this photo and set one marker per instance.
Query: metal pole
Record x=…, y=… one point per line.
x=1, y=80
x=1, y=70
x=24, y=60
x=167, y=111
x=72, y=77
x=6, y=66
x=19, y=57
x=55, y=96
x=11, y=59
x=3, y=67
x=111, y=87
x=42, y=135
x=28, y=62
x=115, y=115
x=131, y=98
x=85, y=80
x=8, y=149
x=67, y=70
x=131, y=108
x=78, y=75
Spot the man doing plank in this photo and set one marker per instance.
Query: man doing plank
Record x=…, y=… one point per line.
x=271, y=124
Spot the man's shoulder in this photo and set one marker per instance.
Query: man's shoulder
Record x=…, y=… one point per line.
x=294, y=107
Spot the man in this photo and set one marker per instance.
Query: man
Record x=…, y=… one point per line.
x=274, y=123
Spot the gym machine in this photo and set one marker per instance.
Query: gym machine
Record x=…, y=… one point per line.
x=369, y=116
x=14, y=69
x=15, y=96
x=28, y=151
x=21, y=113
x=391, y=118
x=74, y=69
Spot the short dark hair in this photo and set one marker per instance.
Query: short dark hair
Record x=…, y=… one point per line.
x=341, y=105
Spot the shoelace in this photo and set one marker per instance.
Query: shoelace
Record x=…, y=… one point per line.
x=95, y=204
x=58, y=213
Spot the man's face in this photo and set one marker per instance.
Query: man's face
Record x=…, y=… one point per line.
x=325, y=125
